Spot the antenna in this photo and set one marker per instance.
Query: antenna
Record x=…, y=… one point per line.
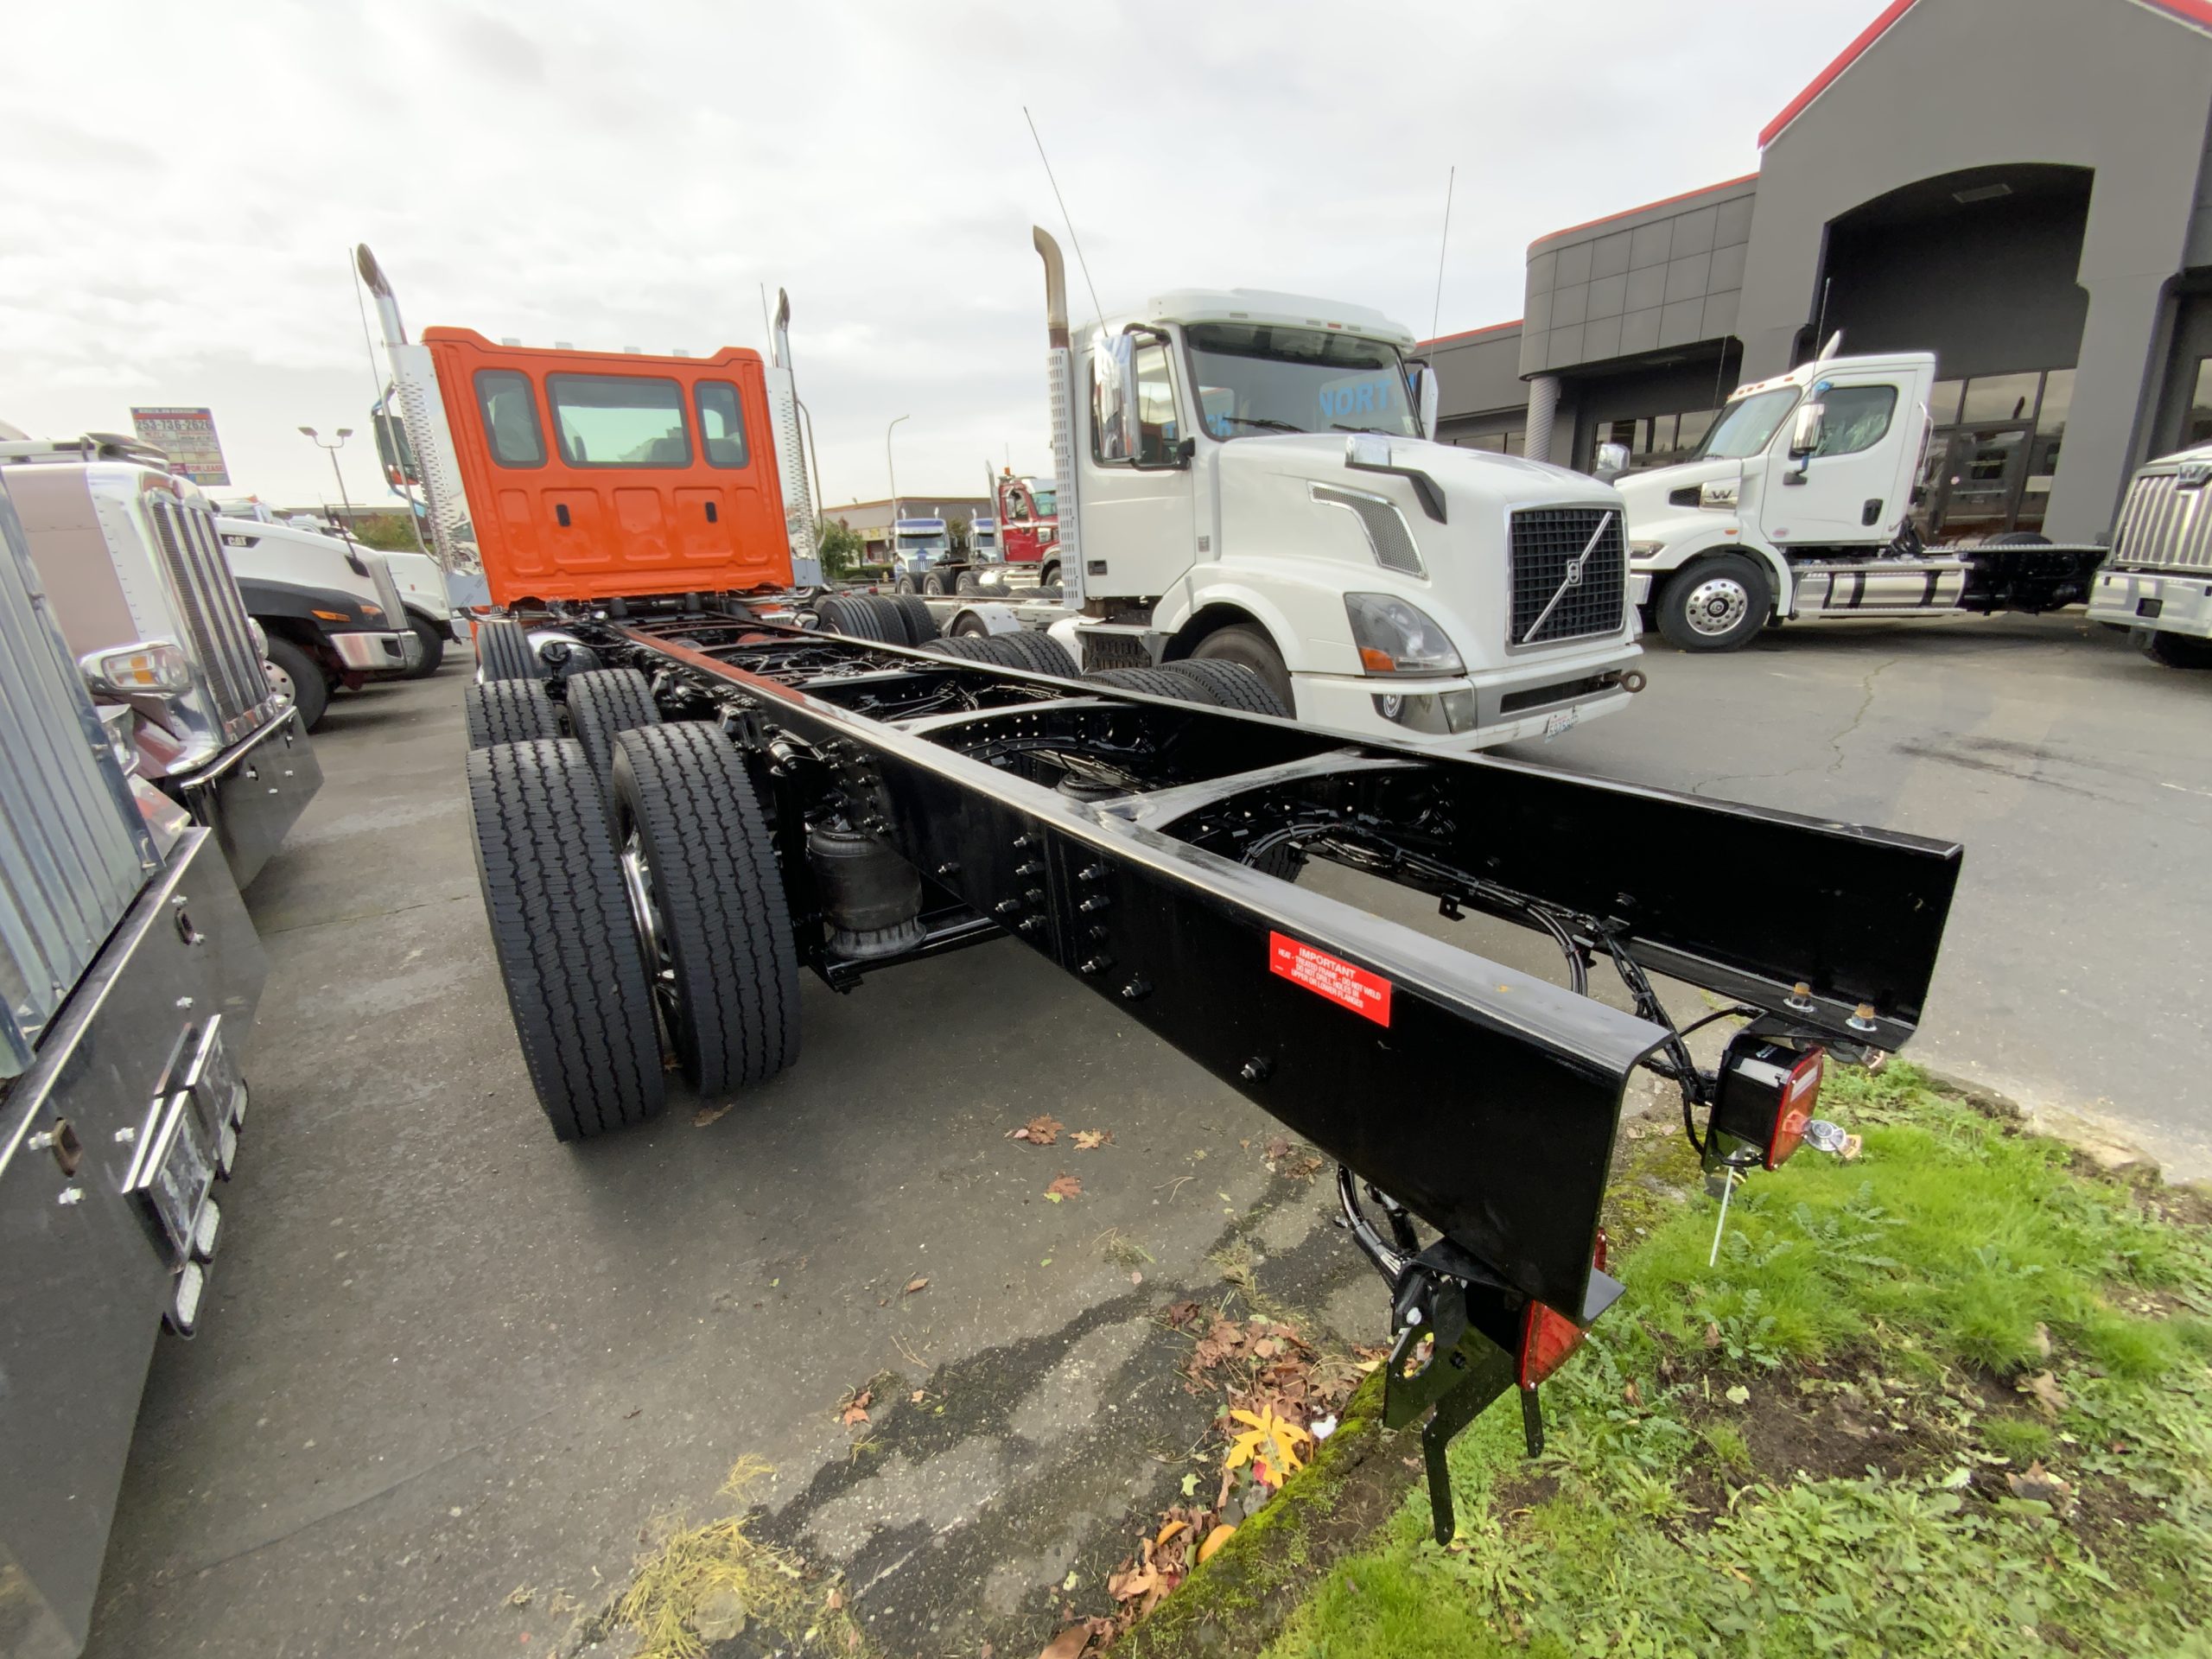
x=1436, y=315
x=1820, y=323
x=1065, y=217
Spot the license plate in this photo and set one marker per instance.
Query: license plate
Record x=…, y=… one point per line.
x=1561, y=721
x=173, y=1170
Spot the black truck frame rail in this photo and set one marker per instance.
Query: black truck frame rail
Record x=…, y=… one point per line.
x=1150, y=847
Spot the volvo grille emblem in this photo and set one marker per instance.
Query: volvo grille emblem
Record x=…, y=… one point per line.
x=1572, y=579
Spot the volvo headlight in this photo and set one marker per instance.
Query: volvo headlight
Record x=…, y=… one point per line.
x=1395, y=638
x=150, y=668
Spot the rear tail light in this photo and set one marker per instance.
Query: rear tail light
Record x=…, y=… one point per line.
x=1547, y=1337
x=1768, y=1091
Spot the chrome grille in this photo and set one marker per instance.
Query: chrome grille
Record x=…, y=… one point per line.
x=213, y=615
x=73, y=851
x=1546, y=542
x=2163, y=526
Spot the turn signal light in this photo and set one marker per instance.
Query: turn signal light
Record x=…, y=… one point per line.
x=1547, y=1337
x=153, y=667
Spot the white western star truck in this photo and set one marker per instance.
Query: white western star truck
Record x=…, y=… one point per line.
x=1800, y=505
x=1249, y=477
x=133, y=561
x=2157, y=582
x=129, y=973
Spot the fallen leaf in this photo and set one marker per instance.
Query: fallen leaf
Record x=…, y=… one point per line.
x=1182, y=1313
x=1739, y=1395
x=1064, y=1185
x=1268, y=1433
x=2043, y=1388
x=913, y=1285
x=1220, y=1536
x=1169, y=1531
x=1189, y=1485
x=1039, y=1131
x=856, y=1411
x=915, y=1398
x=1069, y=1643
x=1135, y=1276
x=1277, y=1149
x=1092, y=1139
x=836, y=1598
x=1712, y=1335
x=707, y=1115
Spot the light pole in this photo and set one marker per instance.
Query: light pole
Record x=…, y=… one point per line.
x=893, y=470
x=344, y=433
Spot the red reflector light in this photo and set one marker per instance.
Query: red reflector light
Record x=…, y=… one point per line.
x=1795, y=1108
x=1548, y=1337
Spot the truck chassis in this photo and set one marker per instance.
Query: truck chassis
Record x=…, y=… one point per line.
x=1151, y=846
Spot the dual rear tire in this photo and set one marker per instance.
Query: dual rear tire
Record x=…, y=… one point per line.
x=644, y=908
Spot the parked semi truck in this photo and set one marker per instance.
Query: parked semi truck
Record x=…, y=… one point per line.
x=1028, y=531
x=424, y=594
x=1800, y=505
x=2157, y=582
x=129, y=977
x=1249, y=477
x=132, y=559
x=332, y=612
x=759, y=778
x=923, y=558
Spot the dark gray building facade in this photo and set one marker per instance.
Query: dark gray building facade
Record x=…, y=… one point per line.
x=2022, y=186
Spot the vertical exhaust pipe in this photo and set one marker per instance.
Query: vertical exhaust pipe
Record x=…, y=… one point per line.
x=1060, y=399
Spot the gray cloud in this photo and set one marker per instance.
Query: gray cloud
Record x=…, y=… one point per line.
x=632, y=174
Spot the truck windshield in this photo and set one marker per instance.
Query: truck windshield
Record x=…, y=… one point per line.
x=1745, y=426
x=1048, y=500
x=1256, y=378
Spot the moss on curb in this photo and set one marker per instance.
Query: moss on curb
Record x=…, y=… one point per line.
x=1237, y=1601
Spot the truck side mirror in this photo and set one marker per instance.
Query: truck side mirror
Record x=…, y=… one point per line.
x=1612, y=461
x=1427, y=396
x=1185, y=452
x=1112, y=377
x=1805, y=434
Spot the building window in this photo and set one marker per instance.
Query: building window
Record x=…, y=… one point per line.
x=1943, y=402
x=619, y=420
x=1999, y=399
x=1855, y=418
x=2200, y=407
x=509, y=416
x=1654, y=440
x=721, y=428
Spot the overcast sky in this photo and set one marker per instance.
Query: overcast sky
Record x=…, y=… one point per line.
x=186, y=182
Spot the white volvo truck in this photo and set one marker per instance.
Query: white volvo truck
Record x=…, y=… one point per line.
x=1799, y=505
x=1249, y=477
x=2157, y=582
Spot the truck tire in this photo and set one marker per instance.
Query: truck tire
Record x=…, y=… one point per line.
x=1715, y=604
x=978, y=648
x=1039, y=653
x=1050, y=575
x=891, y=619
x=502, y=651
x=433, y=648
x=2175, y=650
x=508, y=711
x=850, y=615
x=296, y=674
x=933, y=585
x=692, y=828
x=1249, y=645
x=1156, y=683
x=1233, y=685
x=561, y=927
x=603, y=705
x=968, y=584
x=921, y=627
x=904, y=585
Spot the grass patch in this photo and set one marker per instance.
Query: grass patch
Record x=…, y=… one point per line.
x=1820, y=1445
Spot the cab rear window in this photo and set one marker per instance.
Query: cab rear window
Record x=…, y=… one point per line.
x=722, y=426
x=510, y=416
x=619, y=420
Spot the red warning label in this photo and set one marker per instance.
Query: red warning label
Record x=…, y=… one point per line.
x=1331, y=976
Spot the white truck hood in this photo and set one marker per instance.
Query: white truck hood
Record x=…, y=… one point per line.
x=1480, y=479
x=1652, y=517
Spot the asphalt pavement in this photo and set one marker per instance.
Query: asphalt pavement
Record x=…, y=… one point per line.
x=455, y=1378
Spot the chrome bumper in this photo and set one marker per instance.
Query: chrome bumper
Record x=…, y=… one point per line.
x=377, y=653
x=254, y=793
x=2165, y=604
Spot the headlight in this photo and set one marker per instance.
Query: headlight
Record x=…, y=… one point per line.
x=153, y=667
x=1644, y=549
x=1395, y=638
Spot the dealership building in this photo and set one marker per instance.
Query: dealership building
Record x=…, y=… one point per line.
x=2022, y=186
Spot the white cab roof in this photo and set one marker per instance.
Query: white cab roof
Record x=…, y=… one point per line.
x=1264, y=305
x=1828, y=368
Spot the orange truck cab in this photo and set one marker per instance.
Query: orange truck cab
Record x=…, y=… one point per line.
x=603, y=474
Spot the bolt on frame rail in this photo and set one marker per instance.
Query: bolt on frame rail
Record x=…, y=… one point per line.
x=1152, y=846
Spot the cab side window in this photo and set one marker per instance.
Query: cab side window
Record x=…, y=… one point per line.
x=721, y=425
x=509, y=416
x=1138, y=428
x=1156, y=430
x=1856, y=418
